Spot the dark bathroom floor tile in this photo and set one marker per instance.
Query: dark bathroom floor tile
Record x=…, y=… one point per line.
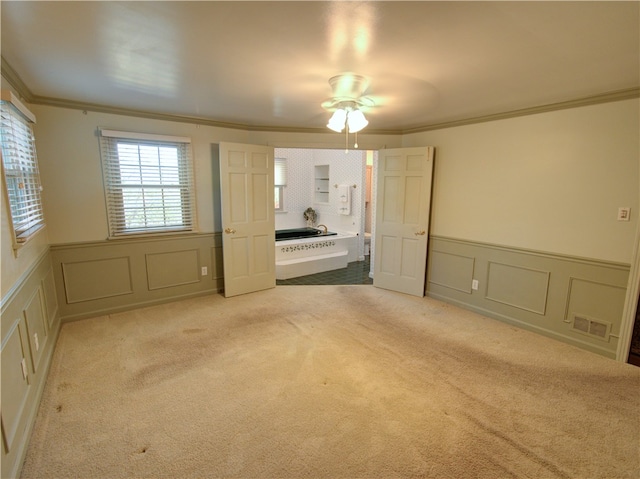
x=355, y=273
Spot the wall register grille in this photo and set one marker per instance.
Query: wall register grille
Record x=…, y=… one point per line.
x=592, y=327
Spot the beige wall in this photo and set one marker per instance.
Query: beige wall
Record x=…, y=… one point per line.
x=551, y=182
x=69, y=156
x=14, y=266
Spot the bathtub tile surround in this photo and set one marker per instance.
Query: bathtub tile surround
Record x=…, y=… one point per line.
x=304, y=256
x=307, y=247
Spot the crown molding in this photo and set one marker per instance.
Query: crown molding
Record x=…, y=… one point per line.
x=618, y=95
x=15, y=81
x=23, y=91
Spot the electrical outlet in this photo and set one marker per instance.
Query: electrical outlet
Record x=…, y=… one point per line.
x=474, y=285
x=35, y=341
x=624, y=213
x=204, y=271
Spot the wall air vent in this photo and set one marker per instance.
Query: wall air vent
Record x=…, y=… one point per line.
x=595, y=328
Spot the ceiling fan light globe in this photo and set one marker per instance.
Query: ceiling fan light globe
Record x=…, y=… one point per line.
x=356, y=121
x=337, y=121
x=336, y=128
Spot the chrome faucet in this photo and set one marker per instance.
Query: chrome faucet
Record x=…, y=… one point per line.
x=322, y=226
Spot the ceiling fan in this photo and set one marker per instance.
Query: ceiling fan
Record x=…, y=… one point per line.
x=347, y=104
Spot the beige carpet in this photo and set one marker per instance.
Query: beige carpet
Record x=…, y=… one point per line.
x=329, y=382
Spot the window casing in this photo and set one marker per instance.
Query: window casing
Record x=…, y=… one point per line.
x=20, y=169
x=148, y=183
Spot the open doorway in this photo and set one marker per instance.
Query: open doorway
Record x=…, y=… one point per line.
x=634, y=348
x=338, y=186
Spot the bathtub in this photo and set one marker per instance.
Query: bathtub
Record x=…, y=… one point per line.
x=299, y=233
x=319, y=252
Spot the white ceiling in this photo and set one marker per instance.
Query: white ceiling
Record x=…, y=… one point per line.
x=267, y=64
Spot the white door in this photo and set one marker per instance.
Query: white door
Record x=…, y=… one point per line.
x=402, y=219
x=248, y=222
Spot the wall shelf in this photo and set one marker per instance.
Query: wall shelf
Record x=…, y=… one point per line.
x=321, y=184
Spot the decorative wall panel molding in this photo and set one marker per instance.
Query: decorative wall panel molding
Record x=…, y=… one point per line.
x=34, y=315
x=452, y=271
x=97, y=279
x=174, y=268
x=16, y=384
x=49, y=289
x=575, y=300
x=595, y=302
x=217, y=270
x=519, y=287
x=30, y=327
x=102, y=277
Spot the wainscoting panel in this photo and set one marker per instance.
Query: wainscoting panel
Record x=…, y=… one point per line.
x=103, y=277
x=51, y=302
x=451, y=271
x=217, y=266
x=30, y=327
x=594, y=302
x=35, y=315
x=575, y=300
x=175, y=268
x=519, y=287
x=15, y=390
x=96, y=279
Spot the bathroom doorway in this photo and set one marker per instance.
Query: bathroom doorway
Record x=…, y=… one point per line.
x=634, y=348
x=353, y=171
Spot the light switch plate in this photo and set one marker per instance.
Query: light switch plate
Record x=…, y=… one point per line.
x=624, y=213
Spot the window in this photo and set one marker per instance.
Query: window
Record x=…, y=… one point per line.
x=280, y=181
x=20, y=168
x=148, y=183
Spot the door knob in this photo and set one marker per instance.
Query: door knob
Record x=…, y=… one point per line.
x=229, y=231
x=420, y=233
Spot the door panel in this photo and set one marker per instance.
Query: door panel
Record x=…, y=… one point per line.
x=412, y=200
x=386, y=254
x=390, y=207
x=261, y=208
x=409, y=255
x=248, y=222
x=402, y=223
x=261, y=243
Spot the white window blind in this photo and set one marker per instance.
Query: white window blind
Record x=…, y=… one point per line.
x=280, y=173
x=20, y=168
x=280, y=181
x=148, y=183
